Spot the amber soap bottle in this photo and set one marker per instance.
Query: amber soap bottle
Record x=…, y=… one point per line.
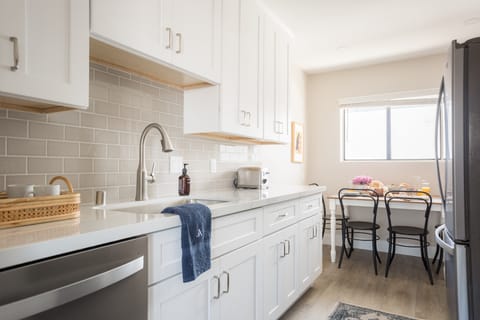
x=184, y=182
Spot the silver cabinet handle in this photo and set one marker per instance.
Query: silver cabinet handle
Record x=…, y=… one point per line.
x=249, y=119
x=179, y=37
x=16, y=59
x=313, y=233
x=218, y=287
x=228, y=282
x=316, y=231
x=288, y=246
x=309, y=206
x=243, y=114
x=283, y=215
x=284, y=253
x=169, y=31
x=47, y=300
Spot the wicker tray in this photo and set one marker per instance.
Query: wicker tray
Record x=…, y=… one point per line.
x=24, y=211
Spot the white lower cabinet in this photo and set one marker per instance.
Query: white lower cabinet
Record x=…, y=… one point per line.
x=310, y=251
x=259, y=268
x=173, y=299
x=240, y=285
x=280, y=271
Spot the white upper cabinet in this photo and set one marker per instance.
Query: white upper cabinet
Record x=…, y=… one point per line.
x=44, y=52
x=139, y=25
x=276, y=82
x=234, y=108
x=183, y=34
x=196, y=36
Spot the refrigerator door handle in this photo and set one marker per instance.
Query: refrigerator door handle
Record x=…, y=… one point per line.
x=450, y=249
x=437, y=136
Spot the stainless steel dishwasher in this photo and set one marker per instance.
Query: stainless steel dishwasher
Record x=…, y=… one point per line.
x=105, y=282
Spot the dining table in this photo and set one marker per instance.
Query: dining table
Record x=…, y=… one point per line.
x=415, y=205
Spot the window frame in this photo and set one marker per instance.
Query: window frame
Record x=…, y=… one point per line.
x=388, y=138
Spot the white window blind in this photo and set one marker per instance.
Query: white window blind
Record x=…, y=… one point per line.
x=394, y=126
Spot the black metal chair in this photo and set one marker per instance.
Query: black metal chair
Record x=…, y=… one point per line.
x=408, y=232
x=326, y=220
x=349, y=226
x=438, y=251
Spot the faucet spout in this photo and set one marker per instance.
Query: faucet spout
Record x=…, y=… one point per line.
x=142, y=176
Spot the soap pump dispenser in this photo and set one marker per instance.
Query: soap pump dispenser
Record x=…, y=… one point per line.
x=184, y=182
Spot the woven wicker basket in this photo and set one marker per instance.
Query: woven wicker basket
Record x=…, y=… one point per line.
x=24, y=211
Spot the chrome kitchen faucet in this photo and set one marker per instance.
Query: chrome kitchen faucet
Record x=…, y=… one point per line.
x=142, y=177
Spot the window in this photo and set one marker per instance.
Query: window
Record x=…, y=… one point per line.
x=397, y=129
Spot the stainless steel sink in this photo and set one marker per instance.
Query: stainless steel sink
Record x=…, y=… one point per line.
x=158, y=207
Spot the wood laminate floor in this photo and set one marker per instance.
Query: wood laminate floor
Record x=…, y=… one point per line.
x=406, y=291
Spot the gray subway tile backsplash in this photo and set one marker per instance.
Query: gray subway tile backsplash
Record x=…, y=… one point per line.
x=98, y=149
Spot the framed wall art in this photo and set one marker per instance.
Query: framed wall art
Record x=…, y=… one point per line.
x=298, y=141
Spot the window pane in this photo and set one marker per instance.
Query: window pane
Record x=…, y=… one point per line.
x=365, y=134
x=413, y=132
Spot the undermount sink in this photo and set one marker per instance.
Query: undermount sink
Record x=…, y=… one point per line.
x=158, y=206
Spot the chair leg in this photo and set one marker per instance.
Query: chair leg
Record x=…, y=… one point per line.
x=440, y=261
x=437, y=250
x=422, y=251
x=343, y=247
x=374, y=251
x=323, y=227
x=427, y=262
x=375, y=246
x=389, y=257
x=394, y=245
x=349, y=239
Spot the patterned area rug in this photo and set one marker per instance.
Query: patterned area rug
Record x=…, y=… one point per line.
x=350, y=312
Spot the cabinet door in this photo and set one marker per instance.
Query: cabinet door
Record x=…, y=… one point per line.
x=50, y=40
x=173, y=299
x=250, y=107
x=140, y=26
x=241, y=284
x=280, y=272
x=276, y=82
x=310, y=251
x=196, y=44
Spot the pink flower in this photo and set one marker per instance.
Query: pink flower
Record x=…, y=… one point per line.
x=362, y=180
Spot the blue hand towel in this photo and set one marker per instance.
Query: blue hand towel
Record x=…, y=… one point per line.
x=196, y=231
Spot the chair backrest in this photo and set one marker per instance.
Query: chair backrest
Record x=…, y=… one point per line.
x=359, y=194
x=401, y=195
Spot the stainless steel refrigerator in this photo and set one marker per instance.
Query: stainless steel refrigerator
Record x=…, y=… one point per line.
x=458, y=168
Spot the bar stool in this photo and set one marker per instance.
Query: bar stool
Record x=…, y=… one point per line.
x=361, y=227
x=408, y=232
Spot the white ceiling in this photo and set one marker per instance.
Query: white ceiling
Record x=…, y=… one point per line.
x=337, y=34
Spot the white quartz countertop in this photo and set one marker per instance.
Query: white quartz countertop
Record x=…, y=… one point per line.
x=98, y=226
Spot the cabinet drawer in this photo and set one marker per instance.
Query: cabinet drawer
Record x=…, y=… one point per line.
x=228, y=233
x=280, y=215
x=236, y=230
x=311, y=205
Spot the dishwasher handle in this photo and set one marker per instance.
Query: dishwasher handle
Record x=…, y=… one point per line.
x=51, y=299
x=449, y=248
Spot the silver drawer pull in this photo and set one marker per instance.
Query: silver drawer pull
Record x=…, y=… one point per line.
x=313, y=233
x=284, y=252
x=288, y=247
x=16, y=63
x=283, y=215
x=217, y=296
x=169, y=31
x=309, y=206
x=50, y=299
x=228, y=282
x=179, y=37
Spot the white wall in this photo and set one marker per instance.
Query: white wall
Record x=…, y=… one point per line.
x=323, y=122
x=277, y=157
